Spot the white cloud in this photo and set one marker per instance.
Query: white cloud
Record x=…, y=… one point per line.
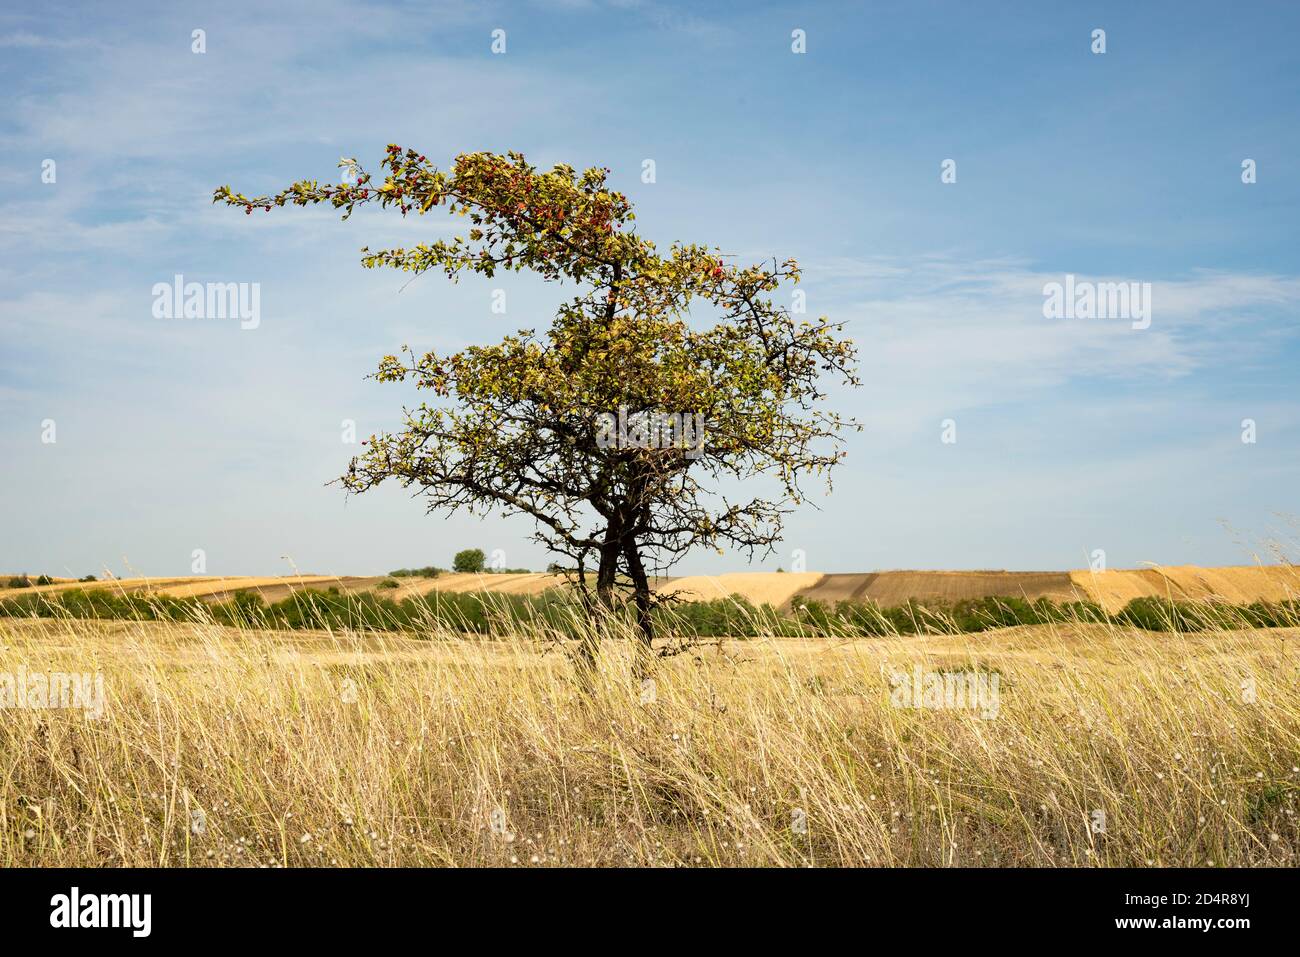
x=938, y=336
x=31, y=41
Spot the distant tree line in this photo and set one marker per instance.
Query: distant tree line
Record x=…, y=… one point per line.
x=471, y=560
x=555, y=612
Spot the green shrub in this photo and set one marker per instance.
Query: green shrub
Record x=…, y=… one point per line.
x=557, y=612
x=469, y=560
x=734, y=617
x=245, y=609
x=1151, y=614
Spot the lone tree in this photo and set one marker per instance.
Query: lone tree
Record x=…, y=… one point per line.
x=617, y=428
x=468, y=560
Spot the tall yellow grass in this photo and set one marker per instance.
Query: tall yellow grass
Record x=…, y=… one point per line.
x=261, y=748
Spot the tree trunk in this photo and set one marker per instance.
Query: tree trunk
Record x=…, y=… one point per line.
x=607, y=573
x=644, y=652
x=603, y=609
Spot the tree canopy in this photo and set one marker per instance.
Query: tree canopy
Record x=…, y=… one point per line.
x=625, y=429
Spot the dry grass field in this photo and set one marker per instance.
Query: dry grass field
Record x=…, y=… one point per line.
x=221, y=747
x=1110, y=589
x=897, y=587
x=758, y=587
x=1238, y=585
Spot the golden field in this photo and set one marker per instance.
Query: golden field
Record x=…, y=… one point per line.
x=221, y=747
x=1111, y=589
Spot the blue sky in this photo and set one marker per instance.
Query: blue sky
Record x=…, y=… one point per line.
x=1072, y=435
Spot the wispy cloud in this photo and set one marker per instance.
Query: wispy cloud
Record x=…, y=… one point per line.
x=940, y=335
x=32, y=41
